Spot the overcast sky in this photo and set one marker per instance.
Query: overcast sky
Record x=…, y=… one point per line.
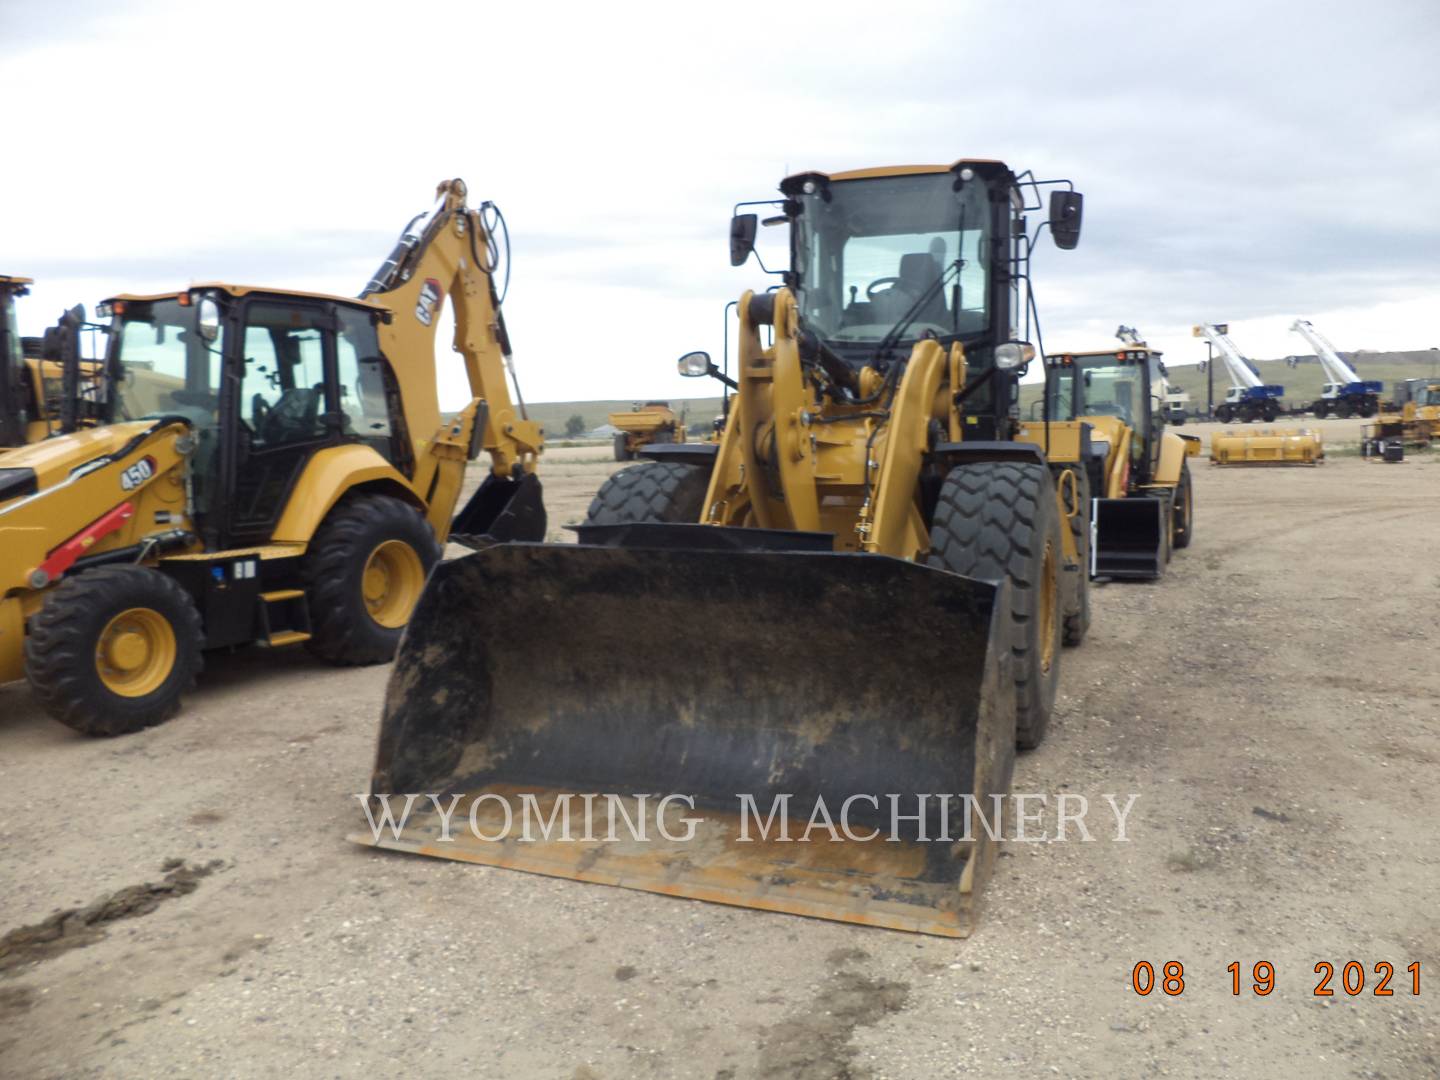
x=1247, y=162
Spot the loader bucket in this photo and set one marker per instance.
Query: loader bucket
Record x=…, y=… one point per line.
x=1129, y=537
x=1286, y=446
x=593, y=682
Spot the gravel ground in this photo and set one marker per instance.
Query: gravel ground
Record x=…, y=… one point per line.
x=1274, y=701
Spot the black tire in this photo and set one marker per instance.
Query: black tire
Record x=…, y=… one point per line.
x=622, y=447
x=1077, y=605
x=1269, y=412
x=1224, y=413
x=656, y=491
x=342, y=628
x=995, y=520
x=64, y=643
x=1184, y=509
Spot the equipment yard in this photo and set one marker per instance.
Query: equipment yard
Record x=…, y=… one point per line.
x=1279, y=719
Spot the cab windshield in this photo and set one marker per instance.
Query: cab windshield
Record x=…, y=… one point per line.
x=1108, y=385
x=162, y=366
x=874, y=254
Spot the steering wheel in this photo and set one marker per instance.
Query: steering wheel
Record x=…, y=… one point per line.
x=870, y=289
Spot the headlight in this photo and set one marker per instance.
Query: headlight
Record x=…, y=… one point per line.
x=1013, y=354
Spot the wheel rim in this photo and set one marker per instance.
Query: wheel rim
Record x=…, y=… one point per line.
x=1048, y=608
x=391, y=583
x=136, y=652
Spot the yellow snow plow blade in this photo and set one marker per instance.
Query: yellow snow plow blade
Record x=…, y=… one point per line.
x=775, y=693
x=1289, y=446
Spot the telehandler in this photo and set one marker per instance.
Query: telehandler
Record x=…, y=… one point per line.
x=1136, y=473
x=877, y=566
x=271, y=467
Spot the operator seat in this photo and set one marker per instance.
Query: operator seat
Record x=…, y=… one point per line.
x=918, y=272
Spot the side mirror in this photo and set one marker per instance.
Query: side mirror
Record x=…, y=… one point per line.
x=207, y=318
x=1164, y=371
x=1066, y=210
x=695, y=364
x=742, y=237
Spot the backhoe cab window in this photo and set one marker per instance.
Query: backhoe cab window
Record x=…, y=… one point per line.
x=164, y=368
x=282, y=394
x=882, y=250
x=362, y=380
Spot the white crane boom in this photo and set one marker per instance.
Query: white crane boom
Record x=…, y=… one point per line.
x=1242, y=375
x=1336, y=369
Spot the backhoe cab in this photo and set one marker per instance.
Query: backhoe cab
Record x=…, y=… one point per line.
x=268, y=467
x=867, y=514
x=1113, y=405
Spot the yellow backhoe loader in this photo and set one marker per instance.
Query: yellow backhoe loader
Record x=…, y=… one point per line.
x=271, y=467
x=1110, y=406
x=653, y=422
x=876, y=565
x=46, y=386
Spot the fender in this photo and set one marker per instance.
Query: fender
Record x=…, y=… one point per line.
x=1172, y=458
x=328, y=476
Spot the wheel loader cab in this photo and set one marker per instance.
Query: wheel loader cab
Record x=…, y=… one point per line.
x=277, y=379
x=880, y=260
x=1135, y=469
x=1112, y=390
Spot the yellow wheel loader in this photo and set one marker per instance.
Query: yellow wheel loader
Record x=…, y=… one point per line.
x=1108, y=409
x=876, y=564
x=46, y=388
x=653, y=422
x=271, y=468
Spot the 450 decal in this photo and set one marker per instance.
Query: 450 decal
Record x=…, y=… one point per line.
x=137, y=474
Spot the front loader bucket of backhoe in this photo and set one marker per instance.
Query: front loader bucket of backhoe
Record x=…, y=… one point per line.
x=1129, y=537
x=593, y=682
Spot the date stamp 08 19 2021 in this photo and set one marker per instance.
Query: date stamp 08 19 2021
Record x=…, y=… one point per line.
x=1351, y=981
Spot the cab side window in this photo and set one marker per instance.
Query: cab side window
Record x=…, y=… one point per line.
x=362, y=375
x=282, y=394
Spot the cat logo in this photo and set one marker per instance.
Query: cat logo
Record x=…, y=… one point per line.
x=137, y=474
x=428, y=302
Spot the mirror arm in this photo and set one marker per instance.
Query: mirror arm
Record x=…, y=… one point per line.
x=716, y=373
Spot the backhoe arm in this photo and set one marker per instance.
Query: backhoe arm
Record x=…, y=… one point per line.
x=449, y=253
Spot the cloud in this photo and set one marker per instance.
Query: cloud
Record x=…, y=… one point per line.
x=1241, y=161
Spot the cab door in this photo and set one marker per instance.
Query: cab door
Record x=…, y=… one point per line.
x=278, y=405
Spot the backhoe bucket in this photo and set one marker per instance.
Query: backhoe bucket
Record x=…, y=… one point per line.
x=1284, y=446
x=563, y=692
x=1129, y=537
